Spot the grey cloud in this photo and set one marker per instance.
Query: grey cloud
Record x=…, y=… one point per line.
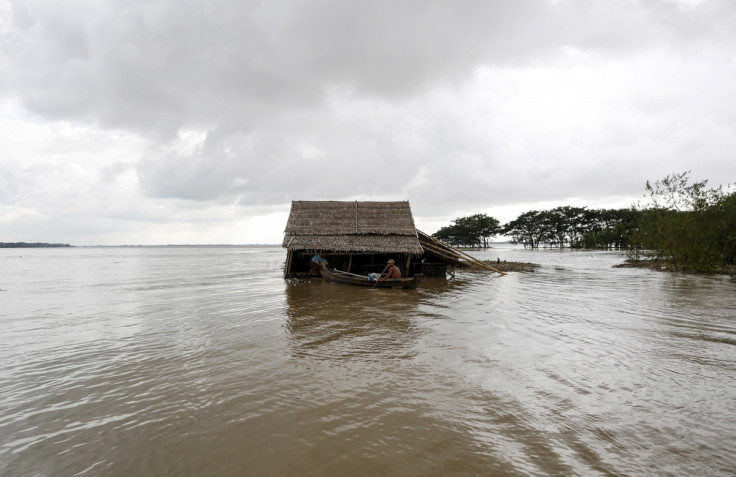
x=155, y=66
x=261, y=77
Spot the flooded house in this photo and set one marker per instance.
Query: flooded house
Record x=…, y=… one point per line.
x=361, y=236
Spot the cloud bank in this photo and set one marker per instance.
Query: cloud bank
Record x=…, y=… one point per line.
x=199, y=121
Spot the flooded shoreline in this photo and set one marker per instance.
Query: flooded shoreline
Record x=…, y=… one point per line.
x=664, y=265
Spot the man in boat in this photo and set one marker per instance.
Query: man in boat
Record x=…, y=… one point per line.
x=393, y=271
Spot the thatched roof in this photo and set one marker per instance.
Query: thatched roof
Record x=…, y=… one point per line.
x=381, y=227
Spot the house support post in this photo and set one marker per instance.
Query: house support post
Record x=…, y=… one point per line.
x=287, y=266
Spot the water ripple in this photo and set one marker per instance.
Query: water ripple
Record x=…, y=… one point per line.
x=204, y=361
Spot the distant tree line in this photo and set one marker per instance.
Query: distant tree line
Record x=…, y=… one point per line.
x=566, y=226
x=31, y=245
x=576, y=227
x=689, y=224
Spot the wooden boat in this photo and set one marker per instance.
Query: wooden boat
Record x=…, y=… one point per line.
x=338, y=276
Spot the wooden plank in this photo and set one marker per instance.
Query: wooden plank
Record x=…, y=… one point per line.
x=459, y=254
x=445, y=254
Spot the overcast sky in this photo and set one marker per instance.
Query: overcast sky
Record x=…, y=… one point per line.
x=199, y=121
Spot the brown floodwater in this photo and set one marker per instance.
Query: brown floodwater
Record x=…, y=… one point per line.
x=204, y=361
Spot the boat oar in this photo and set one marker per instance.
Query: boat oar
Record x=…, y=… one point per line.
x=379, y=276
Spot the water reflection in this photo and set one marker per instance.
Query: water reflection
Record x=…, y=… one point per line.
x=333, y=321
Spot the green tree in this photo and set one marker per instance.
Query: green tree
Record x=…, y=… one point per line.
x=529, y=229
x=688, y=223
x=565, y=225
x=575, y=227
x=473, y=231
x=478, y=229
x=446, y=234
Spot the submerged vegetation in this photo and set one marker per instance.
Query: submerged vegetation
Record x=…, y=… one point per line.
x=687, y=224
x=678, y=225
